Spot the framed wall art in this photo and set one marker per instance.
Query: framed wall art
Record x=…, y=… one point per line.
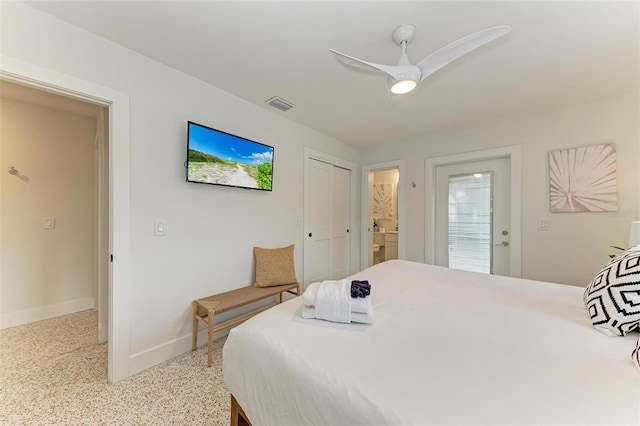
x=583, y=179
x=383, y=202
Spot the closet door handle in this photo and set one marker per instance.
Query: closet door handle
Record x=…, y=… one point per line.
x=310, y=234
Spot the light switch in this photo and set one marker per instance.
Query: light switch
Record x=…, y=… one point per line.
x=160, y=227
x=49, y=222
x=543, y=225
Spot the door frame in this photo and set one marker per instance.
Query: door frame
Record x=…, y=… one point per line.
x=353, y=189
x=366, y=208
x=513, y=153
x=28, y=74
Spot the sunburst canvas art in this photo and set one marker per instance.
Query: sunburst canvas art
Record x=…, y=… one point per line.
x=583, y=179
x=383, y=206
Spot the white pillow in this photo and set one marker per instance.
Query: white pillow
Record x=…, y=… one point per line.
x=612, y=298
x=635, y=355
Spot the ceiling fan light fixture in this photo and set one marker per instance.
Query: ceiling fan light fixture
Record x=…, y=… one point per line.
x=405, y=80
x=403, y=86
x=405, y=76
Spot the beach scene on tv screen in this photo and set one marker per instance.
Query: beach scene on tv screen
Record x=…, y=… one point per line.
x=224, y=159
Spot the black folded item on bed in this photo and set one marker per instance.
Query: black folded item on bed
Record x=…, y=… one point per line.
x=360, y=288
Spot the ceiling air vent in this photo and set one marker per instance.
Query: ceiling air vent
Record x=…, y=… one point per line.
x=280, y=103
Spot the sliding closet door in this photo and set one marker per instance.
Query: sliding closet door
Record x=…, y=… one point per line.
x=340, y=234
x=318, y=197
x=326, y=226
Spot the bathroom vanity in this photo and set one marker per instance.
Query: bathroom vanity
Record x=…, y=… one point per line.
x=388, y=243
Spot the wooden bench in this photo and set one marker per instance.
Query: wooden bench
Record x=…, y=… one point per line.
x=205, y=309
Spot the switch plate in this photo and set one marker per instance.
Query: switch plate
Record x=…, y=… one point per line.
x=297, y=224
x=160, y=227
x=49, y=222
x=543, y=225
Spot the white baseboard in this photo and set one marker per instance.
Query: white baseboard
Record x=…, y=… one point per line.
x=161, y=353
x=13, y=319
x=103, y=333
x=148, y=358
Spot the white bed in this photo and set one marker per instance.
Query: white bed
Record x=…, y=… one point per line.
x=446, y=347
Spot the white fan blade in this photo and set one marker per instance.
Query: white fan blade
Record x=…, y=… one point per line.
x=399, y=72
x=458, y=48
x=392, y=70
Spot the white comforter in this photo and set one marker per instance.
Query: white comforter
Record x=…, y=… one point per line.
x=447, y=347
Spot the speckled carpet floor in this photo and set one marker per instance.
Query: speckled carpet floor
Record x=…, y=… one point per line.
x=53, y=372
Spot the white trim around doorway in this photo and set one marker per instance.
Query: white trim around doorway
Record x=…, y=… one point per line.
x=28, y=74
x=513, y=152
x=366, y=239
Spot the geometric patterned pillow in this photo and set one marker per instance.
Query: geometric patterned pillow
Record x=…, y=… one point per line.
x=612, y=298
x=635, y=355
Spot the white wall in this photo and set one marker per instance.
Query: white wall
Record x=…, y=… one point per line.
x=45, y=272
x=211, y=230
x=577, y=244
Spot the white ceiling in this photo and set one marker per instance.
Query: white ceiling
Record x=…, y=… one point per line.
x=559, y=52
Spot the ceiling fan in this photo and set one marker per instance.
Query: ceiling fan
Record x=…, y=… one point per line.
x=404, y=77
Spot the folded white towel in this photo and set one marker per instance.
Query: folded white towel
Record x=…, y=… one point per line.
x=358, y=304
x=309, y=312
x=361, y=305
x=309, y=295
x=335, y=298
x=333, y=301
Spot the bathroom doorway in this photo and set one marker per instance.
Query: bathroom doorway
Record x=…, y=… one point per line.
x=117, y=104
x=383, y=213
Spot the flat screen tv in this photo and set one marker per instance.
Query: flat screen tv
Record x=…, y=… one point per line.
x=219, y=158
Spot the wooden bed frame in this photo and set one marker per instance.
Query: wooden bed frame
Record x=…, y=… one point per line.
x=238, y=417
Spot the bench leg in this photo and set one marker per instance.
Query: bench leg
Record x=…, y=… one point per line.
x=297, y=292
x=210, y=336
x=194, y=338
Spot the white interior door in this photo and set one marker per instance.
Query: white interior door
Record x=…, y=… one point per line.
x=341, y=231
x=368, y=205
x=318, y=190
x=472, y=224
x=103, y=264
x=326, y=226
